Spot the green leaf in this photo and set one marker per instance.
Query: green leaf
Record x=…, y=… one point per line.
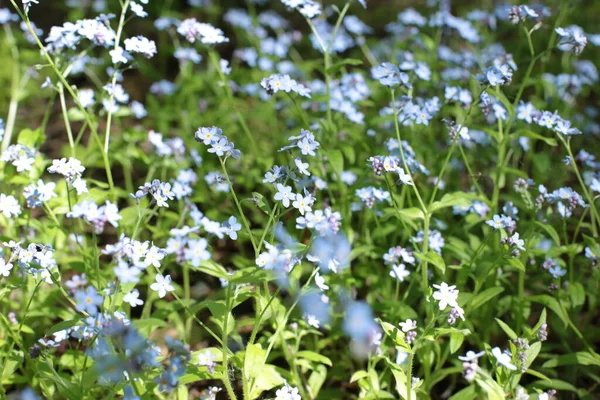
x=62, y=326
x=515, y=262
x=552, y=304
x=312, y=356
x=448, y=331
x=340, y=64
x=219, y=311
x=525, y=132
x=491, y=388
x=317, y=378
x=336, y=159
x=254, y=359
x=412, y=213
x=485, y=296
x=502, y=97
x=456, y=340
x=577, y=293
x=579, y=358
x=261, y=202
x=75, y=114
x=537, y=374
x=358, y=375
x=149, y=324
x=556, y=384
x=541, y=321
x=532, y=353
x=395, y=334
x=213, y=269
x=507, y=329
x=266, y=379
x=592, y=244
x=30, y=138
x=461, y=199
x=250, y=275
x=433, y=258
x=467, y=393
x=550, y=231
x=400, y=377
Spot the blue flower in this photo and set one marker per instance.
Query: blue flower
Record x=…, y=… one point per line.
x=88, y=300
x=358, y=322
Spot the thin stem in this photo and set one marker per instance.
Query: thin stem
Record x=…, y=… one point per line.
x=202, y=324
x=424, y=274
x=239, y=206
x=225, y=351
x=187, y=297
x=14, y=89
x=454, y=142
x=586, y=193
x=337, y=25
x=63, y=106
x=267, y=228
x=214, y=58
x=281, y=325
x=499, y=163
x=114, y=77
x=397, y=127
x=409, y=376
x=442, y=171
x=327, y=61
x=470, y=171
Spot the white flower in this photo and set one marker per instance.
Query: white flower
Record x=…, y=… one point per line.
x=231, y=228
x=154, y=256
x=320, y=282
x=404, y=177
x=142, y=45
x=284, y=193
x=5, y=267
x=302, y=166
x=118, y=55
x=503, y=359
x=133, y=298
x=23, y=163
x=399, y=272
x=80, y=186
x=312, y=320
x=9, y=206
x=471, y=355
x=303, y=204
x=408, y=325
x=446, y=295
x=287, y=393
x=162, y=285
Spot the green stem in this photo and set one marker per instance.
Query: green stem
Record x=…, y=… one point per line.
x=63, y=106
x=114, y=77
x=187, y=297
x=239, y=206
x=470, y=171
x=225, y=350
x=442, y=171
x=424, y=275
x=283, y=323
x=214, y=58
x=584, y=188
x=409, y=376
x=397, y=128
x=14, y=91
x=267, y=228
